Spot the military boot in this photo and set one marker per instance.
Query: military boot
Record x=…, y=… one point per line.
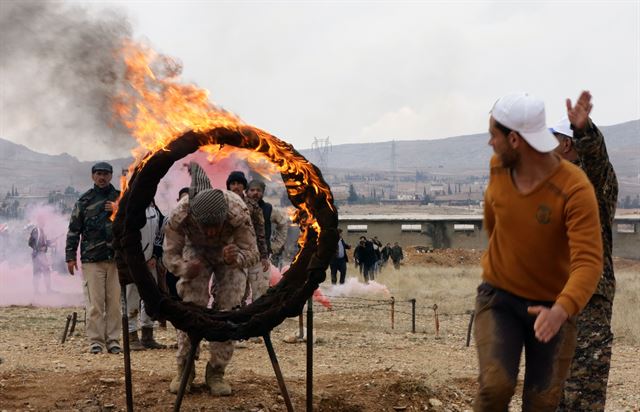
x=175, y=382
x=214, y=378
x=148, y=341
x=134, y=342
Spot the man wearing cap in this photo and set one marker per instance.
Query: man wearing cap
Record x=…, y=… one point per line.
x=542, y=264
x=237, y=183
x=209, y=234
x=259, y=275
x=582, y=143
x=90, y=220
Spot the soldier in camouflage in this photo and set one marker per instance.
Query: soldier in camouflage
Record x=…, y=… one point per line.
x=275, y=233
x=582, y=143
x=90, y=221
x=209, y=233
x=237, y=183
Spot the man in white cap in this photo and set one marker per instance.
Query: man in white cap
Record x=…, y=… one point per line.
x=582, y=143
x=209, y=233
x=542, y=263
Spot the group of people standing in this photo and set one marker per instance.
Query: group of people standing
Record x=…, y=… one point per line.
x=215, y=243
x=547, y=274
x=369, y=257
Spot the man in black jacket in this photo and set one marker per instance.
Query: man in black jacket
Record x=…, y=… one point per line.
x=339, y=261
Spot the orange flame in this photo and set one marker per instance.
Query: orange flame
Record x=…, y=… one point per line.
x=157, y=109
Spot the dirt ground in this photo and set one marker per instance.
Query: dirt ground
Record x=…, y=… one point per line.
x=359, y=362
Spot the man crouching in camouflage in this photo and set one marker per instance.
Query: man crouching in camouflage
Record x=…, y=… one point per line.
x=209, y=233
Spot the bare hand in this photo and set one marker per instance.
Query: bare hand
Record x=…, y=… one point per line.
x=579, y=114
x=230, y=254
x=265, y=264
x=109, y=206
x=71, y=265
x=548, y=321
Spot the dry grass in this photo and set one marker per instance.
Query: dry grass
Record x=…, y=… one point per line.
x=453, y=290
x=626, y=306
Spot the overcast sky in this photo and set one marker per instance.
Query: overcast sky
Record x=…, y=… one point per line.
x=375, y=71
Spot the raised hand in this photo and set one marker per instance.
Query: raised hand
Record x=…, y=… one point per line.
x=579, y=114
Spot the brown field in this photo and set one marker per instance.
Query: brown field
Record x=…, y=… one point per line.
x=360, y=362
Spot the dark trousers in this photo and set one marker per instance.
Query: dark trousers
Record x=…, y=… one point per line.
x=367, y=271
x=338, y=265
x=502, y=328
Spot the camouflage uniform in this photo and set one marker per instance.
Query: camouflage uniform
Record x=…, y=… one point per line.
x=279, y=227
x=257, y=279
x=92, y=222
x=185, y=242
x=586, y=387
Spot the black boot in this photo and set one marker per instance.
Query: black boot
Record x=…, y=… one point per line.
x=134, y=342
x=148, y=341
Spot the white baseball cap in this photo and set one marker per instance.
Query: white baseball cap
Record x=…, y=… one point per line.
x=525, y=114
x=563, y=127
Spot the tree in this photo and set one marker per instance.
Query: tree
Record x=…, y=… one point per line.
x=353, y=195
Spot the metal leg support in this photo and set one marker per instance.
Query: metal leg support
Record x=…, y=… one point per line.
x=310, y=354
x=278, y=372
x=127, y=353
x=185, y=374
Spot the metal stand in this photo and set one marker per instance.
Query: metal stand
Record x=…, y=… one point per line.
x=186, y=372
x=310, y=354
x=66, y=329
x=70, y=325
x=393, y=312
x=413, y=315
x=127, y=352
x=278, y=372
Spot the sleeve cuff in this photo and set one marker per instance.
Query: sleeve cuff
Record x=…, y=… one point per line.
x=568, y=304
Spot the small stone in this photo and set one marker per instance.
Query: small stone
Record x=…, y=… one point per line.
x=435, y=402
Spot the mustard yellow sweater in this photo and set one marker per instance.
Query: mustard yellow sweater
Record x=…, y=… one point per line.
x=544, y=245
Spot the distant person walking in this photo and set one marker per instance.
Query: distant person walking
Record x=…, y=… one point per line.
x=339, y=261
x=367, y=258
x=386, y=253
x=542, y=264
x=396, y=255
x=39, y=245
x=582, y=143
x=90, y=221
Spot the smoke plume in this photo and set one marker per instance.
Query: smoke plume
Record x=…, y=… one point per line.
x=17, y=283
x=59, y=71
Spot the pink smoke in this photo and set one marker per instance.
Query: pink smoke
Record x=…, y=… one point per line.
x=16, y=270
x=318, y=296
x=216, y=167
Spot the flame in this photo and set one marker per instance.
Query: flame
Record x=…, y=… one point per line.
x=157, y=109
